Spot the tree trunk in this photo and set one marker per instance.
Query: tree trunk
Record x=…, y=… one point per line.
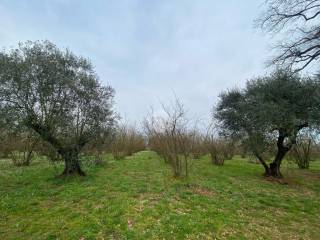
x=28, y=158
x=267, y=171
x=275, y=165
x=72, y=165
x=70, y=154
x=282, y=150
x=186, y=165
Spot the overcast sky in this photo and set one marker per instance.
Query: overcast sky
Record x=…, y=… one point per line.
x=150, y=50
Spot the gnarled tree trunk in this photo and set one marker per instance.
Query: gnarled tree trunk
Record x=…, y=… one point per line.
x=267, y=171
x=273, y=169
x=282, y=151
x=72, y=163
x=69, y=154
x=275, y=165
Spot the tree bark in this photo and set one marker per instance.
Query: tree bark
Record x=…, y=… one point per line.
x=28, y=158
x=267, y=171
x=275, y=165
x=282, y=151
x=72, y=164
x=69, y=154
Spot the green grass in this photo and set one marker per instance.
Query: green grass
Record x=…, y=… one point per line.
x=137, y=198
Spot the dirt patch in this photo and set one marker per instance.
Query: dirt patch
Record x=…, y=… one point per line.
x=203, y=191
x=281, y=181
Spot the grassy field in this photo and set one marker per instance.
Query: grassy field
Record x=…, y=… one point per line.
x=137, y=198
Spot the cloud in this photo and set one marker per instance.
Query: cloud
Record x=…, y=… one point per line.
x=148, y=50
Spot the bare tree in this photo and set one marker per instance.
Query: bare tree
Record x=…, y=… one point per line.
x=303, y=151
x=298, y=20
x=172, y=137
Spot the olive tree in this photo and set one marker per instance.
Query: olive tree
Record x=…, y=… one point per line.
x=276, y=108
x=57, y=95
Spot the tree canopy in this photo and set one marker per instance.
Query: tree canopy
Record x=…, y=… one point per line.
x=278, y=105
x=57, y=95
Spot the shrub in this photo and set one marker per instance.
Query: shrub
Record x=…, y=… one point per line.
x=172, y=138
x=127, y=141
x=21, y=148
x=219, y=150
x=303, y=151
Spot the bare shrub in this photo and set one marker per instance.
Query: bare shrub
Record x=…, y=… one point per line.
x=301, y=154
x=199, y=148
x=171, y=136
x=21, y=148
x=127, y=141
x=303, y=151
x=4, y=144
x=220, y=149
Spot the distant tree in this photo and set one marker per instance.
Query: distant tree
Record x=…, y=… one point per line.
x=298, y=22
x=273, y=107
x=57, y=95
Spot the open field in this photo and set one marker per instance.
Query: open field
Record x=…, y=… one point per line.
x=160, y=120
x=137, y=198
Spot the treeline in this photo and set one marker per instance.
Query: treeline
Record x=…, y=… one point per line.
x=23, y=147
x=178, y=141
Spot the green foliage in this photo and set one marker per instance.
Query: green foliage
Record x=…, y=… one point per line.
x=57, y=95
x=279, y=101
x=138, y=199
x=273, y=107
x=42, y=85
